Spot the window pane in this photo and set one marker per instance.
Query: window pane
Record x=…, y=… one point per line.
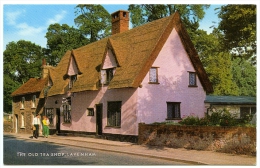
x=114, y=114
x=192, y=79
x=153, y=75
x=173, y=110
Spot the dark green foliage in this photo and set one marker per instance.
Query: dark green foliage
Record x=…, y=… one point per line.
x=217, y=118
x=238, y=24
x=93, y=21
x=22, y=60
x=61, y=38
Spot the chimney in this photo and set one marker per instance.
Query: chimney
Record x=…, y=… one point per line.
x=44, y=69
x=120, y=21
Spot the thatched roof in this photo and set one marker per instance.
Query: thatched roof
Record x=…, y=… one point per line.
x=135, y=51
x=33, y=85
x=58, y=77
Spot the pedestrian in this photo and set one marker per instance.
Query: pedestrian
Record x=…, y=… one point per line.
x=45, y=123
x=36, y=123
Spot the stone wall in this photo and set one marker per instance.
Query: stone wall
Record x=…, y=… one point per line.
x=236, y=140
x=8, y=126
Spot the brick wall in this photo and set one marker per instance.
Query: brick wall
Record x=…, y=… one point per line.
x=238, y=140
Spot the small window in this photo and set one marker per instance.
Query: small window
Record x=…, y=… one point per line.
x=72, y=80
x=153, y=75
x=34, y=101
x=22, y=102
x=192, y=79
x=90, y=111
x=173, y=110
x=107, y=75
x=114, y=113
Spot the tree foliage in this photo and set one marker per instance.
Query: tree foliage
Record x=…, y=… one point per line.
x=22, y=60
x=190, y=14
x=61, y=38
x=238, y=24
x=93, y=21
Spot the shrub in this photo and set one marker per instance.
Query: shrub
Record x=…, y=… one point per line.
x=190, y=120
x=217, y=118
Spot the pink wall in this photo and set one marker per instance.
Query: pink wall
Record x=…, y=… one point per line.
x=109, y=61
x=72, y=68
x=50, y=103
x=174, y=64
x=88, y=99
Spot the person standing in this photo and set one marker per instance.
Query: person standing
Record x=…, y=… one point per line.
x=45, y=123
x=36, y=123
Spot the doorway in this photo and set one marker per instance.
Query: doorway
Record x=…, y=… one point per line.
x=57, y=120
x=99, y=111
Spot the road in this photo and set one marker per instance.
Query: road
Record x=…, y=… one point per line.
x=31, y=152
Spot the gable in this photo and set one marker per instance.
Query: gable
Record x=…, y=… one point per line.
x=110, y=60
x=73, y=69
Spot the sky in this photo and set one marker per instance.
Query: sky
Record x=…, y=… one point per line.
x=30, y=21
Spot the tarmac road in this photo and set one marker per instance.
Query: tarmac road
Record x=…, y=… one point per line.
x=192, y=157
x=33, y=152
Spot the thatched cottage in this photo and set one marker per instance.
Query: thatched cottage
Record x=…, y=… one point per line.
x=151, y=73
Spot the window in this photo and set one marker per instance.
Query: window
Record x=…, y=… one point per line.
x=192, y=79
x=173, y=110
x=107, y=75
x=114, y=113
x=90, y=111
x=153, y=75
x=247, y=111
x=22, y=120
x=34, y=101
x=72, y=80
x=22, y=102
x=49, y=112
x=66, y=112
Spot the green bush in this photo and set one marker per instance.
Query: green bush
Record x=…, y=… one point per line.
x=217, y=118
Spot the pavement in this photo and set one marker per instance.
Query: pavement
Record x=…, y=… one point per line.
x=191, y=157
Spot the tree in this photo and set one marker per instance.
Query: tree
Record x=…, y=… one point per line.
x=238, y=25
x=10, y=86
x=21, y=61
x=190, y=14
x=93, y=21
x=244, y=75
x=61, y=38
x=216, y=61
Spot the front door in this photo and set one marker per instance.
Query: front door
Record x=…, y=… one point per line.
x=99, y=110
x=58, y=120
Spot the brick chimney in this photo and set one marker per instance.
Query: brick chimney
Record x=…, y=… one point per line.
x=120, y=21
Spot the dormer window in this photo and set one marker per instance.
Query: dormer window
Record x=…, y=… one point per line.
x=107, y=75
x=73, y=79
